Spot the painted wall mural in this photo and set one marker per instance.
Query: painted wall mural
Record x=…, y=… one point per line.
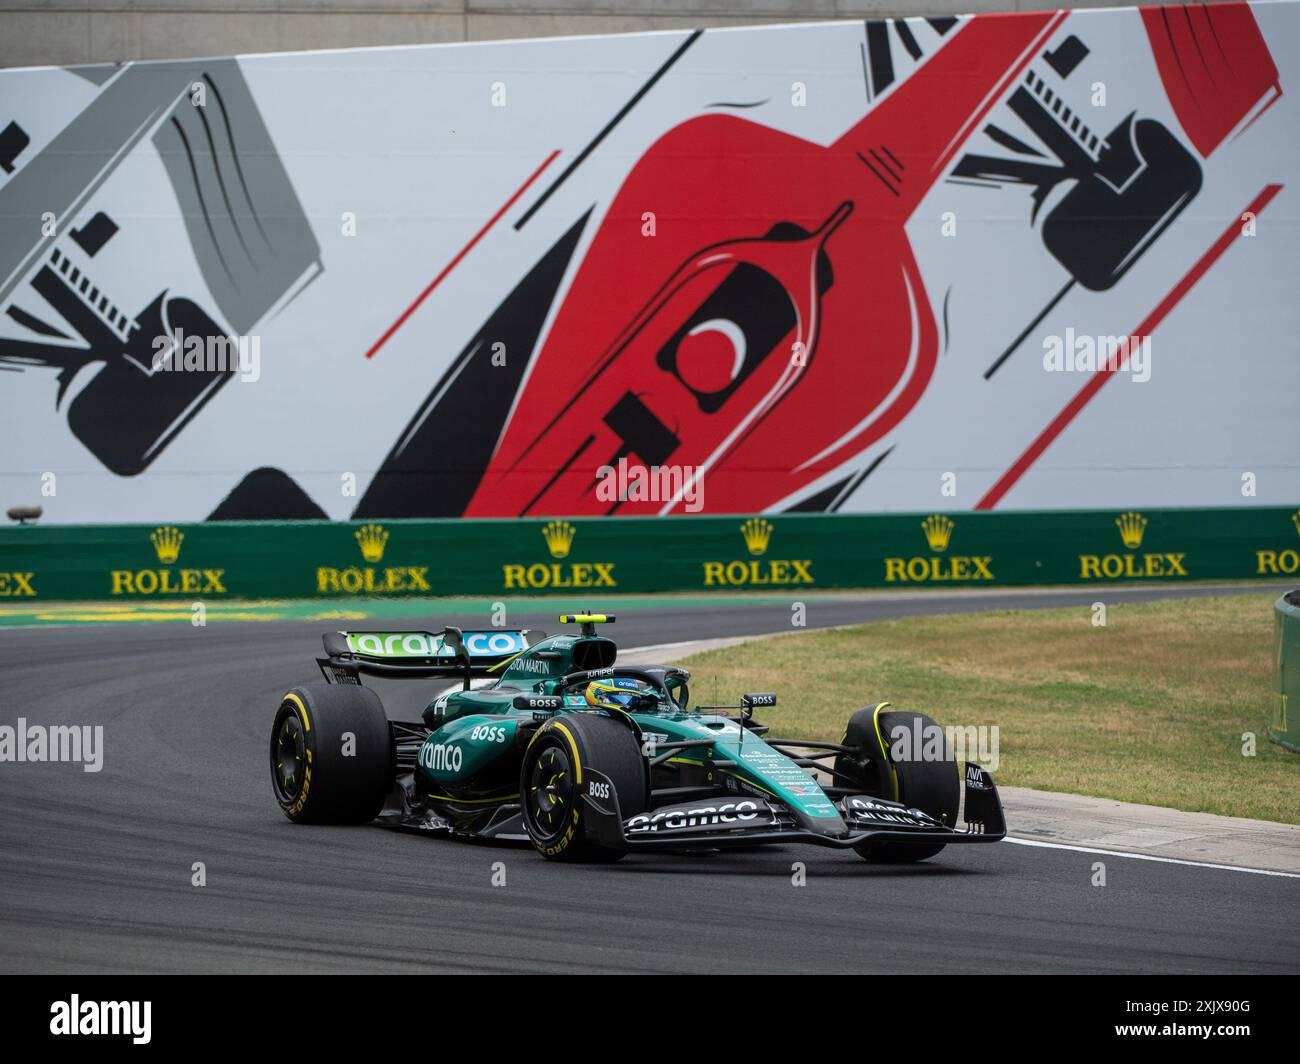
x=1030, y=261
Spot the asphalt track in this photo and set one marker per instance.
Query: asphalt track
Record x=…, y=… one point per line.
x=95, y=868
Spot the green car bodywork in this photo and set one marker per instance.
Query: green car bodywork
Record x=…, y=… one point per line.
x=549, y=740
x=477, y=731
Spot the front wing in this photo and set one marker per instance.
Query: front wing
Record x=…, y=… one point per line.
x=712, y=824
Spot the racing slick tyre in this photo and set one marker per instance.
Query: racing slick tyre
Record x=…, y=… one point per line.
x=931, y=785
x=331, y=754
x=550, y=782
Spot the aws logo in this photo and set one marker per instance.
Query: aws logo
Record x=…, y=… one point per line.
x=1283, y=562
x=756, y=533
x=370, y=579
x=558, y=537
x=1132, y=528
x=167, y=541
x=939, y=566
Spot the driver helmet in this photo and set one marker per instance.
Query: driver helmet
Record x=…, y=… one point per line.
x=615, y=692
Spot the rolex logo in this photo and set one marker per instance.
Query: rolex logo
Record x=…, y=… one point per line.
x=372, y=539
x=1131, y=527
x=938, y=531
x=757, y=531
x=559, y=537
x=167, y=543
x=1295, y=520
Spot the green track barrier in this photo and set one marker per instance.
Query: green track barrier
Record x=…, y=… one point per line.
x=1284, y=729
x=786, y=553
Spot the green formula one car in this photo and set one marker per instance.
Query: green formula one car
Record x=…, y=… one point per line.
x=590, y=760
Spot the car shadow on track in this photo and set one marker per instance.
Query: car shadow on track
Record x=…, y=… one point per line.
x=767, y=862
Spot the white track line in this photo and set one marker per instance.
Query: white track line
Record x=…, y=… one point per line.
x=1153, y=857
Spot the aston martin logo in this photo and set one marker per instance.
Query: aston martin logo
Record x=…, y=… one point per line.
x=757, y=531
x=167, y=543
x=559, y=537
x=938, y=531
x=372, y=539
x=1132, y=526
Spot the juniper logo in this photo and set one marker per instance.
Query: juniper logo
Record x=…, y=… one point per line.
x=957, y=568
x=1132, y=526
x=372, y=539
x=77, y=1017
x=559, y=537
x=756, y=532
x=167, y=543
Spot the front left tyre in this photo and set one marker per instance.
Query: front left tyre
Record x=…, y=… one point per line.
x=331, y=754
x=901, y=772
x=551, y=779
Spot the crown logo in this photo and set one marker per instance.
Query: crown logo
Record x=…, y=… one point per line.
x=756, y=531
x=167, y=543
x=1132, y=526
x=559, y=537
x=1295, y=520
x=938, y=531
x=372, y=539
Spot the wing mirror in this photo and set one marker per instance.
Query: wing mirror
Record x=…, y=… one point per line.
x=764, y=700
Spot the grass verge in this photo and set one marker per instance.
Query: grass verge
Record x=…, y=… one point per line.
x=1151, y=707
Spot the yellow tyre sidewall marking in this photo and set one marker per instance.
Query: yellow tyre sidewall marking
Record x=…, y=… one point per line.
x=884, y=750
x=554, y=726
x=301, y=801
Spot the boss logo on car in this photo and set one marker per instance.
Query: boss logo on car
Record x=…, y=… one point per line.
x=698, y=816
x=597, y=789
x=488, y=733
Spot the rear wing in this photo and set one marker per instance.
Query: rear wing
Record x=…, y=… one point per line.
x=408, y=655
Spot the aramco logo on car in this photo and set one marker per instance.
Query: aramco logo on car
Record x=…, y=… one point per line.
x=558, y=537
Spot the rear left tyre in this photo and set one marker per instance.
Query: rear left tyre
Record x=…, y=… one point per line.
x=331, y=754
